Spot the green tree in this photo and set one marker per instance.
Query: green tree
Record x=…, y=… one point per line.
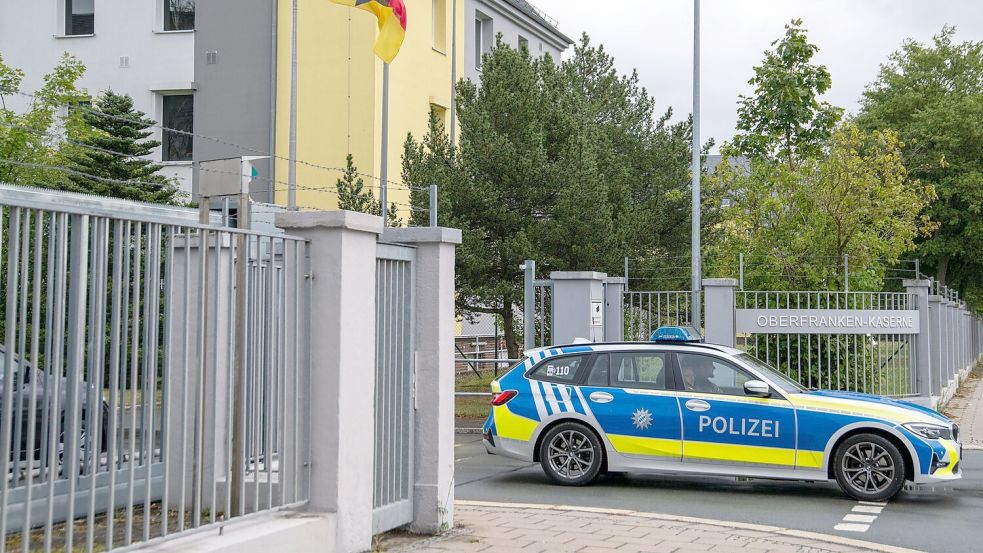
x=28, y=144
x=118, y=146
x=784, y=120
x=932, y=96
x=353, y=196
x=564, y=164
x=854, y=198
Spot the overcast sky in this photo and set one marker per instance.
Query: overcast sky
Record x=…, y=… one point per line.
x=656, y=37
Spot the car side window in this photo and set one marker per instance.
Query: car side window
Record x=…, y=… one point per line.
x=710, y=375
x=560, y=369
x=639, y=370
x=599, y=372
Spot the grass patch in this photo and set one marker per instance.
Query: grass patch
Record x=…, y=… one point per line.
x=473, y=407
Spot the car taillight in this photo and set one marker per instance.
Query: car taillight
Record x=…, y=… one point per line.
x=502, y=398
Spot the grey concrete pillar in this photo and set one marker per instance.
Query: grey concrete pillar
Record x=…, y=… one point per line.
x=578, y=306
x=920, y=362
x=342, y=357
x=614, y=308
x=183, y=378
x=720, y=315
x=935, y=344
x=433, y=492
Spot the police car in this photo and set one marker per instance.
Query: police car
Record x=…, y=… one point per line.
x=681, y=406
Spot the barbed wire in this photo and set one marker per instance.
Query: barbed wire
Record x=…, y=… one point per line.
x=224, y=142
x=216, y=171
x=73, y=172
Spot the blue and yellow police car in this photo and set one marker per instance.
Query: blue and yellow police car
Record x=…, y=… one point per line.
x=678, y=405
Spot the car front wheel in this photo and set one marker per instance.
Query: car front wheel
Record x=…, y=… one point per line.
x=869, y=467
x=571, y=454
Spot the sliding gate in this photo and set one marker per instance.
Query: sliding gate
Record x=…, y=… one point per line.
x=392, y=499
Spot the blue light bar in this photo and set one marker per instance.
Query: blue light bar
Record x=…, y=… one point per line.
x=676, y=334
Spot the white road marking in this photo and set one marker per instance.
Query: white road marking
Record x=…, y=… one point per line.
x=846, y=527
x=854, y=522
x=860, y=518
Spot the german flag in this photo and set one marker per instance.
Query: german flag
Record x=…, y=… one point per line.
x=392, y=24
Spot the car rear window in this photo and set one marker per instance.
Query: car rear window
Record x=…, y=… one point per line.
x=560, y=369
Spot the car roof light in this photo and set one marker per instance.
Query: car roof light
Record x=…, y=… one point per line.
x=676, y=334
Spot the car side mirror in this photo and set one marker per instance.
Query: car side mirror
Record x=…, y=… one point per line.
x=757, y=388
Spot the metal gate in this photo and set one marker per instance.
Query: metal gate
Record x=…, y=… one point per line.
x=392, y=499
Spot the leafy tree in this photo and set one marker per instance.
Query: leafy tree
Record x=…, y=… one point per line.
x=932, y=96
x=565, y=164
x=353, y=196
x=785, y=120
x=794, y=226
x=28, y=141
x=118, y=148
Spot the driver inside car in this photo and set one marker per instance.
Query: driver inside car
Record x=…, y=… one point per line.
x=696, y=376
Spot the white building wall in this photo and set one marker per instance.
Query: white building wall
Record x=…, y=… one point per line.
x=498, y=16
x=32, y=38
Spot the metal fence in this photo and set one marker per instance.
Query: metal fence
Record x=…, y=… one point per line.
x=873, y=363
x=392, y=499
x=647, y=311
x=151, y=379
x=542, y=324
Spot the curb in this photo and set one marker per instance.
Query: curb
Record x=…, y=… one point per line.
x=777, y=530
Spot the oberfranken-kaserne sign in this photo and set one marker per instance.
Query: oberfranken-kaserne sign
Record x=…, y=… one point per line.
x=827, y=321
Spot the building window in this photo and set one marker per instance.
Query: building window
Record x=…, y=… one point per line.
x=477, y=42
x=523, y=43
x=177, y=114
x=440, y=25
x=179, y=15
x=440, y=113
x=80, y=17
x=484, y=37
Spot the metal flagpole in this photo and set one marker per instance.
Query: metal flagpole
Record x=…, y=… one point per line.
x=292, y=163
x=384, y=167
x=696, y=270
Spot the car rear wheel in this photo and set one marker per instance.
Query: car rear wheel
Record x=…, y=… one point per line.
x=571, y=454
x=869, y=467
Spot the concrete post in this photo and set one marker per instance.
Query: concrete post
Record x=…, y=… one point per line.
x=614, y=309
x=578, y=306
x=950, y=342
x=967, y=340
x=183, y=383
x=935, y=344
x=920, y=364
x=433, y=492
x=720, y=320
x=342, y=373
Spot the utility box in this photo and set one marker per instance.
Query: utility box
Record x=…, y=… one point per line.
x=232, y=177
x=578, y=306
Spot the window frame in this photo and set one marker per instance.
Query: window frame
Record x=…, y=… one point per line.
x=163, y=123
x=439, y=6
x=479, y=31
x=669, y=369
x=775, y=394
x=588, y=365
x=162, y=11
x=66, y=20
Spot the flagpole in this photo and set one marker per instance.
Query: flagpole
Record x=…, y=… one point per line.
x=384, y=167
x=697, y=168
x=292, y=147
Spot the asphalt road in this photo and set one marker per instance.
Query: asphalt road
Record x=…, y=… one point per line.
x=942, y=519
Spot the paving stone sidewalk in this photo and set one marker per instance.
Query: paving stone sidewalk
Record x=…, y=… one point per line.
x=966, y=408
x=494, y=527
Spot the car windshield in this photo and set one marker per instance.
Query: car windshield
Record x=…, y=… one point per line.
x=786, y=384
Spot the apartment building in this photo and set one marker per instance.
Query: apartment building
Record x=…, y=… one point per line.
x=144, y=48
x=223, y=70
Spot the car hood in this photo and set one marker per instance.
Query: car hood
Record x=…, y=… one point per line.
x=892, y=410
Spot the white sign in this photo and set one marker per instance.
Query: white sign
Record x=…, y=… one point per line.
x=827, y=321
x=597, y=313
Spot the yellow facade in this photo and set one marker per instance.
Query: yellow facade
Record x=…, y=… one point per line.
x=339, y=93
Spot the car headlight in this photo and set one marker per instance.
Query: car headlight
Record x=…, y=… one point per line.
x=930, y=431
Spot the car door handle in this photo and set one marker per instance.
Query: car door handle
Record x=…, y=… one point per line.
x=601, y=397
x=697, y=405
